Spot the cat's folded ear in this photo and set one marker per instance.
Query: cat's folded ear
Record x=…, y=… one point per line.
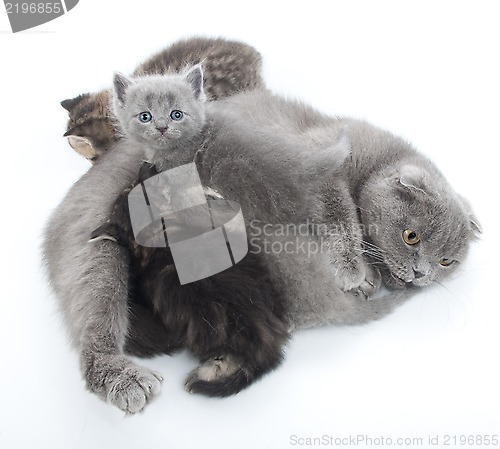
x=474, y=225
x=412, y=178
x=121, y=83
x=194, y=77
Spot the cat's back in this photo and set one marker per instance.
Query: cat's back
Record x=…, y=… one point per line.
x=264, y=110
x=229, y=66
x=374, y=150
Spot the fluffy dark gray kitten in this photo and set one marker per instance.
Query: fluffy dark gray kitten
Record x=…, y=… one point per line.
x=387, y=208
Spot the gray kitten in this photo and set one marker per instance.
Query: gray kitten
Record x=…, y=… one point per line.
x=159, y=113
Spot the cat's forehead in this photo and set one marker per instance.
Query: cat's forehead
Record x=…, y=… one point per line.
x=157, y=92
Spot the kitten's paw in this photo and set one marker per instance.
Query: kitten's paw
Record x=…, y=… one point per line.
x=215, y=377
x=147, y=170
x=369, y=286
x=133, y=388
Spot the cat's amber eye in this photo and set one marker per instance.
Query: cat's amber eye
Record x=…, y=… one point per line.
x=410, y=237
x=446, y=262
x=145, y=117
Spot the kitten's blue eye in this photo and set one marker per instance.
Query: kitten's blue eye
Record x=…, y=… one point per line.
x=145, y=117
x=176, y=115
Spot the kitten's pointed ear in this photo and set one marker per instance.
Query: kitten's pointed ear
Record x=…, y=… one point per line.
x=121, y=84
x=195, y=77
x=70, y=103
x=474, y=225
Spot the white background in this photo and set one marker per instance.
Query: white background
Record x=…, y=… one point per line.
x=425, y=70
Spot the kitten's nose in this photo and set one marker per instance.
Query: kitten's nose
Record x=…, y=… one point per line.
x=418, y=274
x=163, y=130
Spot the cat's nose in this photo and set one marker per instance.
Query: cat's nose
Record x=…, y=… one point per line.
x=418, y=274
x=162, y=129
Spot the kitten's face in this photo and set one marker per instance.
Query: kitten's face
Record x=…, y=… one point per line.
x=160, y=111
x=421, y=226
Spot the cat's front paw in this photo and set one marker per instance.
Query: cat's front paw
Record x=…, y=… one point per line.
x=147, y=170
x=370, y=285
x=351, y=275
x=120, y=381
x=133, y=388
x=359, y=278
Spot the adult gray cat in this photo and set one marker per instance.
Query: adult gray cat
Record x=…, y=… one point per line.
x=389, y=203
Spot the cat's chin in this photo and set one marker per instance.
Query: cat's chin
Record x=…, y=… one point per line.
x=390, y=280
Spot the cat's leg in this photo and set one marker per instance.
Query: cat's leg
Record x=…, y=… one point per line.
x=342, y=237
x=105, y=314
x=241, y=361
x=147, y=335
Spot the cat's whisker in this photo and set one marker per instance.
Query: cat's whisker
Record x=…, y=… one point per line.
x=366, y=243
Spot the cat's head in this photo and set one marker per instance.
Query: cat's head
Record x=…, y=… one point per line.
x=91, y=128
x=421, y=225
x=160, y=111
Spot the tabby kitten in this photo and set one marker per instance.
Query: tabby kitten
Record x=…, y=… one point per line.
x=229, y=67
